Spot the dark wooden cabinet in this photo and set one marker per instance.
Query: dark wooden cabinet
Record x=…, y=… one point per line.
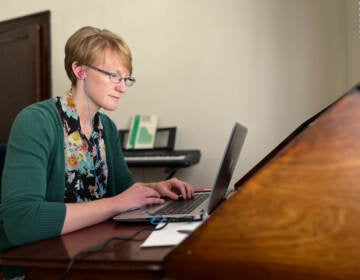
x=25, y=66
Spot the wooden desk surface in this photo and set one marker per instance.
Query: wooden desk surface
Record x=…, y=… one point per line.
x=49, y=258
x=296, y=218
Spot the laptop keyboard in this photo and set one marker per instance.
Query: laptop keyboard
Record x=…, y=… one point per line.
x=183, y=206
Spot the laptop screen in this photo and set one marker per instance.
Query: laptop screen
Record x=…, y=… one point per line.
x=227, y=166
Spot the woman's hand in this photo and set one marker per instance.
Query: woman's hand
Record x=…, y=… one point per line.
x=141, y=194
x=138, y=194
x=172, y=188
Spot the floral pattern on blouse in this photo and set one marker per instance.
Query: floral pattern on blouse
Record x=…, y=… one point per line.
x=86, y=170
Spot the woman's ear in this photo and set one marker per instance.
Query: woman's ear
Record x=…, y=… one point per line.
x=78, y=70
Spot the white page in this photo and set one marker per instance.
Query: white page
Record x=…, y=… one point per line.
x=170, y=235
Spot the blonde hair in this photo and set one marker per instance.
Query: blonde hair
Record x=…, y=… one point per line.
x=88, y=43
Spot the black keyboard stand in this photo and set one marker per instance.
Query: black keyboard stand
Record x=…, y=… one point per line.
x=171, y=160
x=170, y=171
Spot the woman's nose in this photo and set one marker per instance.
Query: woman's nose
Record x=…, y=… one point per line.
x=121, y=87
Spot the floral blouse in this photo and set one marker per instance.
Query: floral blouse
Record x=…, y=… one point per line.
x=85, y=159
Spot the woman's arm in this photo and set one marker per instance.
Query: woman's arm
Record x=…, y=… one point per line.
x=80, y=215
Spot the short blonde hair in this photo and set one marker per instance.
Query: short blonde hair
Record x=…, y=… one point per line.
x=88, y=43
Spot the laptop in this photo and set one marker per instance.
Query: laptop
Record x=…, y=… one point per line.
x=204, y=202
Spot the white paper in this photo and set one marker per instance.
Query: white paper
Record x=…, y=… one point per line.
x=170, y=235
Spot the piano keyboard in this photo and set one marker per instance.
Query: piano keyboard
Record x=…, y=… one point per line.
x=173, y=158
x=155, y=158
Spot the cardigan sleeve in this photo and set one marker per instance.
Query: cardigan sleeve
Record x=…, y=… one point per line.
x=27, y=213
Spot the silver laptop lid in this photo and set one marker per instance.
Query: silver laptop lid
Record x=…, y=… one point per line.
x=227, y=166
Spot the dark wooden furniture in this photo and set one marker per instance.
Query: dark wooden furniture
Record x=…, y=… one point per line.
x=295, y=215
x=48, y=259
x=25, y=66
x=2, y=159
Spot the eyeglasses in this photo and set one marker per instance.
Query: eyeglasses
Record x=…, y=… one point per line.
x=115, y=78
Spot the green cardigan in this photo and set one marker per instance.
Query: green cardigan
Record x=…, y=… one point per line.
x=33, y=180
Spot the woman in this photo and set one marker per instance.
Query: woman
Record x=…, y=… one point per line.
x=63, y=151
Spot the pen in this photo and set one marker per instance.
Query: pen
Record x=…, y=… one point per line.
x=185, y=231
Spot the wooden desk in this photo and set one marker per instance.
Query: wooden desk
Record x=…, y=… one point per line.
x=48, y=259
x=296, y=216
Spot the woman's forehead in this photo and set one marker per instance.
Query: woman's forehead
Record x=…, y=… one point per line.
x=112, y=58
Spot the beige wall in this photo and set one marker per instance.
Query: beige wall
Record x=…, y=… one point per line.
x=204, y=64
x=353, y=41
